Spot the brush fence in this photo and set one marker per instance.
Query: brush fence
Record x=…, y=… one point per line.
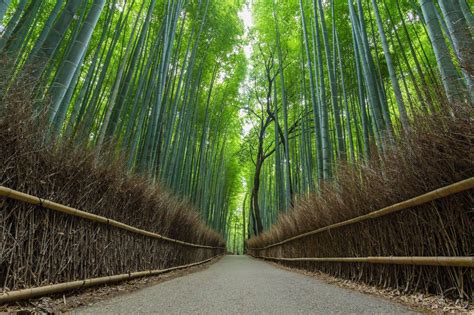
x=424, y=243
x=44, y=243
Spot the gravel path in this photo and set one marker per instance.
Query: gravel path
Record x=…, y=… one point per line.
x=243, y=285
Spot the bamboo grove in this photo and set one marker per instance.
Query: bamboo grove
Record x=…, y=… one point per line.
x=240, y=118
x=336, y=81
x=154, y=81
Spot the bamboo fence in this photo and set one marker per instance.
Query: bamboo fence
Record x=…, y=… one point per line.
x=17, y=195
x=413, y=202
x=414, y=260
x=80, y=284
x=65, y=286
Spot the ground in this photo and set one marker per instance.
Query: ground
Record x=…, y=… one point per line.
x=243, y=285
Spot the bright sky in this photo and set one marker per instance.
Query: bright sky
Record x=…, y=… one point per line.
x=246, y=16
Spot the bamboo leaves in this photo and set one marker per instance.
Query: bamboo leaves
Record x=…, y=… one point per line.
x=353, y=77
x=140, y=79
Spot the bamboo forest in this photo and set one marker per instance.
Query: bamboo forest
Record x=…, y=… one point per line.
x=245, y=124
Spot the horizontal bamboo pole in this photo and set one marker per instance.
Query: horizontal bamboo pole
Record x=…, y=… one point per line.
x=79, y=284
x=17, y=195
x=413, y=202
x=415, y=260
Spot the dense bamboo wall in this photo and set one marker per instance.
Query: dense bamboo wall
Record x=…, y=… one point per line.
x=436, y=153
x=40, y=247
x=440, y=228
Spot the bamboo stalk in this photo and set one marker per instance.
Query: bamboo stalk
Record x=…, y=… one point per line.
x=413, y=202
x=405, y=260
x=17, y=195
x=66, y=286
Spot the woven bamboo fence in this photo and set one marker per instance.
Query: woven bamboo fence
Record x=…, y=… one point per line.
x=374, y=246
x=46, y=247
x=410, y=203
x=422, y=261
x=80, y=284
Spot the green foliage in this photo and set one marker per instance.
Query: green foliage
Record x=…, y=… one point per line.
x=156, y=81
x=166, y=85
x=373, y=72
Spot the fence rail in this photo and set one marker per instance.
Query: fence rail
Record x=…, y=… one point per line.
x=396, y=260
x=34, y=200
x=79, y=284
x=416, y=201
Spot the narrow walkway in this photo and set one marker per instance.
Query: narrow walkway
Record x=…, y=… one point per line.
x=243, y=285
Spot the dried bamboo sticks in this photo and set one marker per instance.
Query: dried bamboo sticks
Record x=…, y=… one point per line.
x=17, y=195
x=413, y=202
x=415, y=260
x=66, y=286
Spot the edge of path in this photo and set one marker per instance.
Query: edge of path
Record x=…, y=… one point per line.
x=417, y=302
x=65, y=302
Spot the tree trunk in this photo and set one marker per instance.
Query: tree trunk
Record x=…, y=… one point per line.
x=3, y=8
x=462, y=40
x=391, y=69
x=312, y=88
x=466, y=11
x=71, y=63
x=255, y=192
x=12, y=24
x=243, y=223
x=341, y=150
x=455, y=91
x=20, y=33
x=324, y=120
x=47, y=27
x=284, y=104
x=54, y=38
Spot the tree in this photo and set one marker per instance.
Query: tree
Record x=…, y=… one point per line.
x=391, y=69
x=72, y=61
x=454, y=88
x=461, y=39
x=3, y=8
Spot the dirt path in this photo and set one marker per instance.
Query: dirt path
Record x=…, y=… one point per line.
x=243, y=285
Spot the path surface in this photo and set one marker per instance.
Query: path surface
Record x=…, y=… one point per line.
x=243, y=285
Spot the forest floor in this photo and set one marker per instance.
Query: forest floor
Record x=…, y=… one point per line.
x=243, y=285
